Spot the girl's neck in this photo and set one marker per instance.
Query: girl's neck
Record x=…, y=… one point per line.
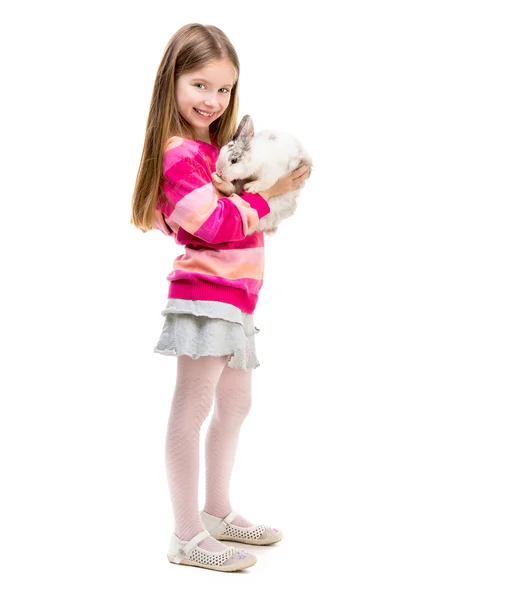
x=205, y=136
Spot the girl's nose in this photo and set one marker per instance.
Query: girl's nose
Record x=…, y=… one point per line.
x=213, y=103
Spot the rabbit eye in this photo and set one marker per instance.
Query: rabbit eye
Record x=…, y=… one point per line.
x=233, y=161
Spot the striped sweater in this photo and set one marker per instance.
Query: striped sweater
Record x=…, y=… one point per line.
x=224, y=257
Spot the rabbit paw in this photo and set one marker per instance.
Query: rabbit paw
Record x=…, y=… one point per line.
x=253, y=187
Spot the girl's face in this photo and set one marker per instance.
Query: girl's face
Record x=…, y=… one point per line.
x=208, y=90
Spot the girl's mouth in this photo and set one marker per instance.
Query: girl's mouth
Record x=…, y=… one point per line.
x=205, y=116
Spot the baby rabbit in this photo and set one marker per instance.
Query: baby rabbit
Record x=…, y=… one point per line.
x=255, y=162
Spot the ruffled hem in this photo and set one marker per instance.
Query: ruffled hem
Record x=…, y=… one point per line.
x=206, y=308
x=208, y=328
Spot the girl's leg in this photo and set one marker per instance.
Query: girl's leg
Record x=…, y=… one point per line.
x=233, y=402
x=192, y=401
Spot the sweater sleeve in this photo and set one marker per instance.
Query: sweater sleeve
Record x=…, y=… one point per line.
x=160, y=222
x=191, y=202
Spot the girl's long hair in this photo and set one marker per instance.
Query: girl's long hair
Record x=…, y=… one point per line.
x=192, y=47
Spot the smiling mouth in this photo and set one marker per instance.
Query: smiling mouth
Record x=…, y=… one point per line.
x=203, y=114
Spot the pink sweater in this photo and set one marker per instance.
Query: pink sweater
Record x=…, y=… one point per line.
x=224, y=257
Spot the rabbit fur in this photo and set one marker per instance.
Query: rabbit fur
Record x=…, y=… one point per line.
x=254, y=162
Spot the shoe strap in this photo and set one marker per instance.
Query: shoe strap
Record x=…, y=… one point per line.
x=194, y=542
x=229, y=518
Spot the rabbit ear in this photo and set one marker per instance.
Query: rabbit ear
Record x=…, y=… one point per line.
x=245, y=130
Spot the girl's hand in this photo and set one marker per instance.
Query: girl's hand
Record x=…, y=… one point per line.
x=222, y=186
x=289, y=182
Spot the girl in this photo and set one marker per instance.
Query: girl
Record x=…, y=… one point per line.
x=209, y=316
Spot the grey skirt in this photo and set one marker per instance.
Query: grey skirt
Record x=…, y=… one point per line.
x=208, y=328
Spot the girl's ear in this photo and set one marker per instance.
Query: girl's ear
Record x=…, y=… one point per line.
x=245, y=130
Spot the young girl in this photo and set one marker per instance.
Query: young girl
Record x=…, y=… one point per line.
x=214, y=286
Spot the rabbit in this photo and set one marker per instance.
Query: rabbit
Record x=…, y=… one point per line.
x=254, y=162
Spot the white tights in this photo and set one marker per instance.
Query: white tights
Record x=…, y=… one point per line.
x=197, y=380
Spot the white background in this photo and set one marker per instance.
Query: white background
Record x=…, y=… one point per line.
x=378, y=438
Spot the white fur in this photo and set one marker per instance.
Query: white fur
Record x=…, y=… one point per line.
x=264, y=158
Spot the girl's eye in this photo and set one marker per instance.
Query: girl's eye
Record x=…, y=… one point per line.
x=221, y=88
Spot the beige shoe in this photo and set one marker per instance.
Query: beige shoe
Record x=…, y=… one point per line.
x=223, y=529
x=185, y=552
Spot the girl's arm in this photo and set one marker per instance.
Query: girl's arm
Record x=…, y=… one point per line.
x=160, y=222
x=191, y=201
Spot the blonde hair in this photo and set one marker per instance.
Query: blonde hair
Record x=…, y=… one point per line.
x=192, y=47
